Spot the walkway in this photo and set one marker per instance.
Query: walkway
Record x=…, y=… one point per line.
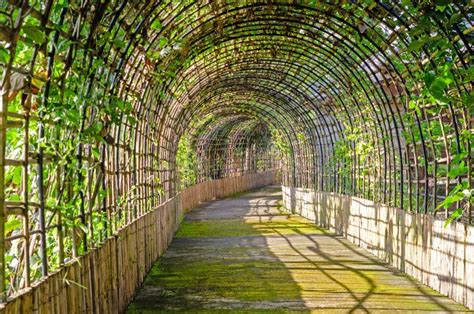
x=245, y=254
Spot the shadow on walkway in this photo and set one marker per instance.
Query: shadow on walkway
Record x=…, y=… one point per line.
x=246, y=254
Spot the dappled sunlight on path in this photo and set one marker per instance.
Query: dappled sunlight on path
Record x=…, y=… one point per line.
x=246, y=254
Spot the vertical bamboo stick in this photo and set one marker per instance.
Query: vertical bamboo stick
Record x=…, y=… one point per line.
x=26, y=223
x=3, y=123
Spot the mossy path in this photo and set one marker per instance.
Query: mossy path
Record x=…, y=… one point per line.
x=246, y=255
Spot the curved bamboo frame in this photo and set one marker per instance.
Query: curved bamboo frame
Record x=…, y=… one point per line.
x=345, y=85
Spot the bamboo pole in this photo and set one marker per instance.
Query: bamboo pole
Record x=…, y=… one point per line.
x=26, y=223
x=3, y=143
x=5, y=85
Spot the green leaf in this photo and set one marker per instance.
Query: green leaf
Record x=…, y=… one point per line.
x=131, y=120
x=11, y=225
x=34, y=33
x=412, y=105
x=4, y=55
x=442, y=4
x=458, y=170
x=82, y=227
x=455, y=215
x=416, y=45
x=119, y=43
x=429, y=78
x=438, y=86
x=437, y=90
x=163, y=42
x=455, y=18
x=156, y=24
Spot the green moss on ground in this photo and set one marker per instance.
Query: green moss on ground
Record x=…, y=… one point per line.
x=271, y=264
x=249, y=227
x=248, y=280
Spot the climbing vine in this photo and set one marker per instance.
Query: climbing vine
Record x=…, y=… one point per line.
x=186, y=160
x=105, y=104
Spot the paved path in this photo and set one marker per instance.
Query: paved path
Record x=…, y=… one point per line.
x=246, y=255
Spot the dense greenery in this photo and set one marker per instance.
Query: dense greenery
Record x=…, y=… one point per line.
x=106, y=103
x=186, y=160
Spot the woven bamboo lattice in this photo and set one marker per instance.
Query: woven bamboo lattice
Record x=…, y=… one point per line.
x=102, y=99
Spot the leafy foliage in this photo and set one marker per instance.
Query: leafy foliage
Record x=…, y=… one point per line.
x=363, y=98
x=186, y=161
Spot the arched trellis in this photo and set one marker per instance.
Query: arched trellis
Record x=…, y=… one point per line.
x=232, y=145
x=372, y=99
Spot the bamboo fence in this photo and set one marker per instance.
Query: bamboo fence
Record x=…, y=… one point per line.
x=209, y=190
